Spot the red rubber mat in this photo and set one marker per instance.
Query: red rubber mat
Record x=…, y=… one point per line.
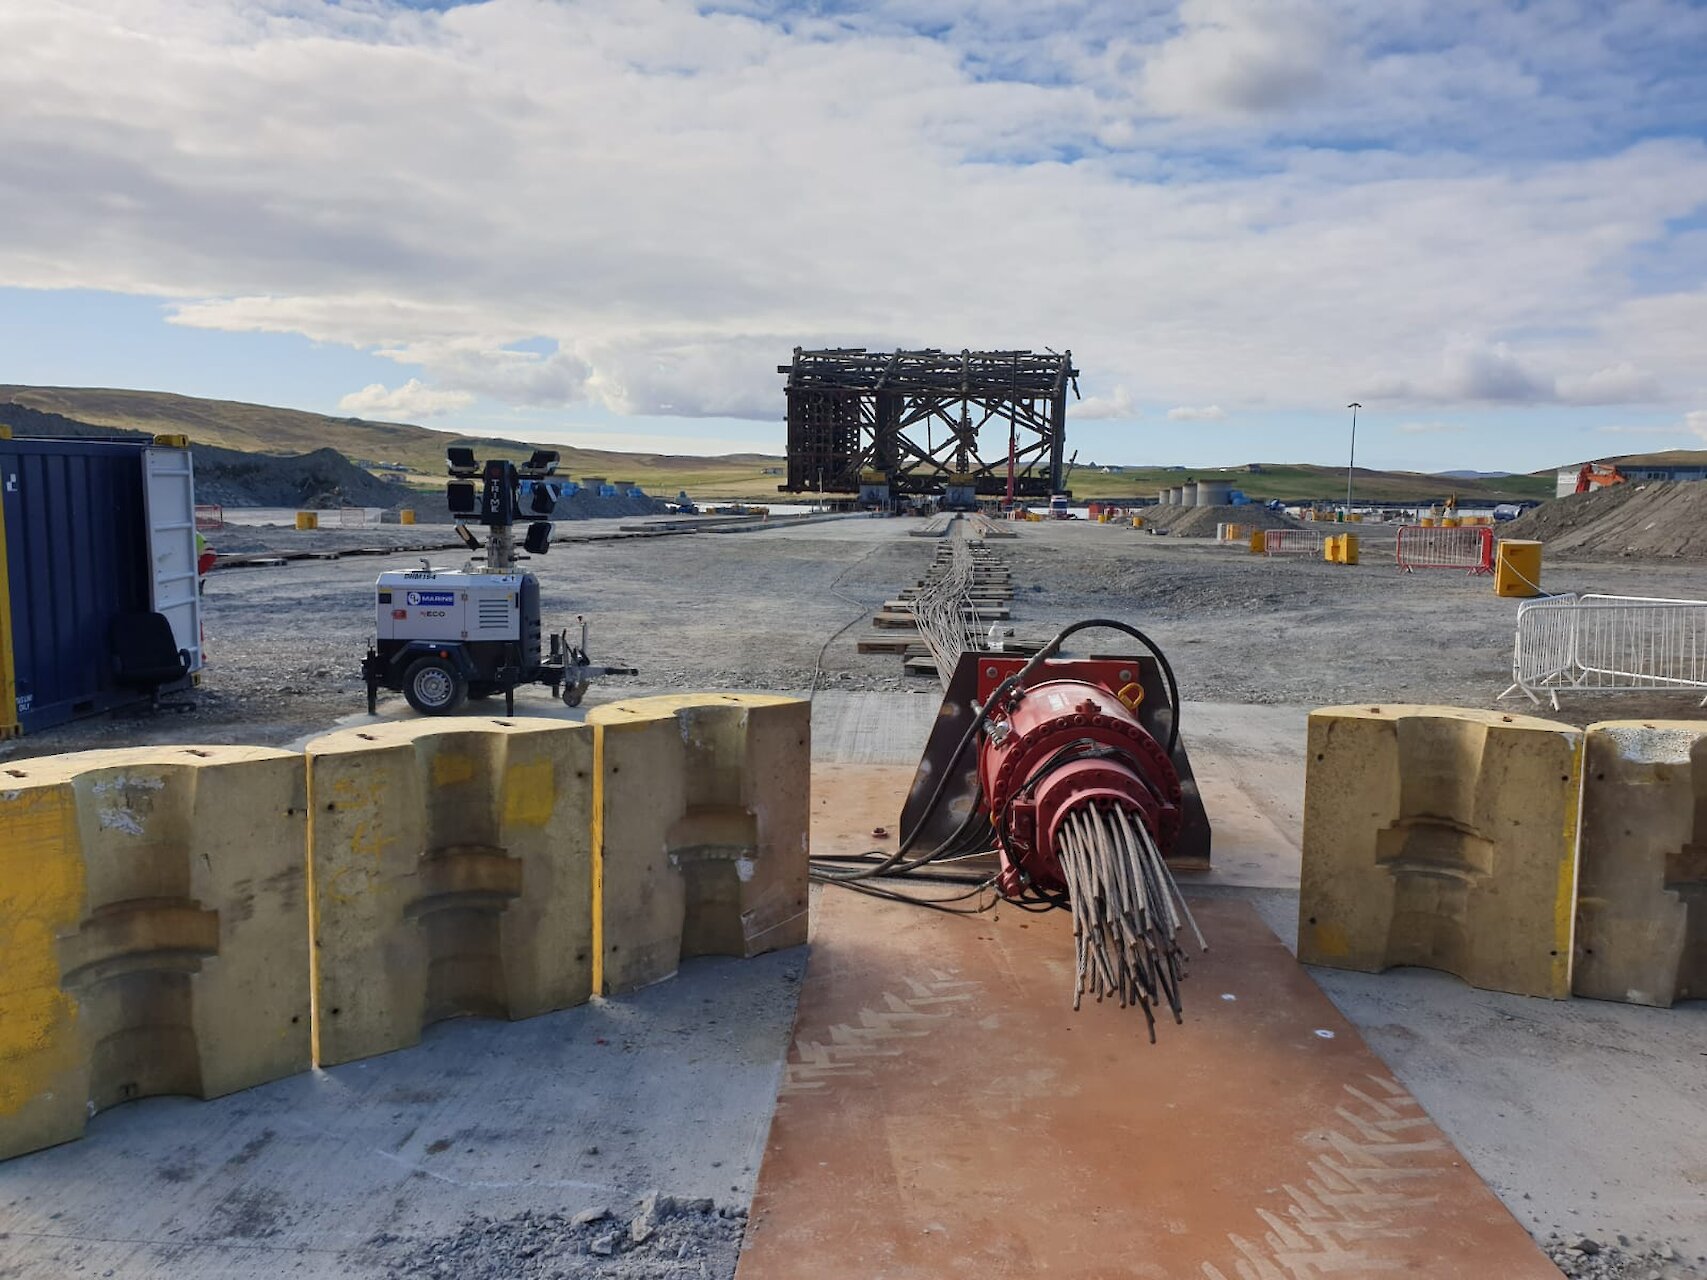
x=945, y=1113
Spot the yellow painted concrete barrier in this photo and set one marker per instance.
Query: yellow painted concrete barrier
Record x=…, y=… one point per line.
x=1258, y=545
x=452, y=874
x=153, y=931
x=1441, y=837
x=704, y=825
x=406, y=516
x=1348, y=548
x=1517, y=568
x=1331, y=548
x=1642, y=879
x=307, y=519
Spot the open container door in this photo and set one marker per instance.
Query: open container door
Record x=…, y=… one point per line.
x=170, y=492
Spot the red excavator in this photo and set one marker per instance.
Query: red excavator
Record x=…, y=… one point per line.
x=1596, y=475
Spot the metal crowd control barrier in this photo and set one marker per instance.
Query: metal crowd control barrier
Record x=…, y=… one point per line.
x=1425, y=547
x=209, y=517
x=1291, y=542
x=1608, y=644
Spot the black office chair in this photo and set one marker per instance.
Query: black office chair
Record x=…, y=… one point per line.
x=146, y=656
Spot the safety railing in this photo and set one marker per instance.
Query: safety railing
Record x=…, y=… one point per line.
x=1424, y=547
x=1291, y=542
x=355, y=517
x=209, y=517
x=1608, y=644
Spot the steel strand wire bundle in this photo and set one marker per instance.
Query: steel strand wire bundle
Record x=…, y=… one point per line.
x=941, y=607
x=1125, y=918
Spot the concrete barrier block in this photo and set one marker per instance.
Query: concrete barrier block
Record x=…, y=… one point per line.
x=451, y=862
x=1441, y=837
x=153, y=931
x=1642, y=879
x=704, y=826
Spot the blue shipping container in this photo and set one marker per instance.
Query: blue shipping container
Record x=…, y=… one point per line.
x=74, y=539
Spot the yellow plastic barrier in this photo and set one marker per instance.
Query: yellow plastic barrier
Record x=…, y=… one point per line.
x=1449, y=522
x=1258, y=546
x=1441, y=837
x=452, y=868
x=1330, y=548
x=1642, y=879
x=307, y=519
x=1427, y=522
x=1348, y=548
x=1517, y=568
x=703, y=838
x=406, y=516
x=153, y=931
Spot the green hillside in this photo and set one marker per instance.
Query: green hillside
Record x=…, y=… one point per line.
x=1303, y=482
x=257, y=428
x=420, y=450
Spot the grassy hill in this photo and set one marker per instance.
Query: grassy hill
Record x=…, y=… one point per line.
x=257, y=428
x=1304, y=482
x=263, y=429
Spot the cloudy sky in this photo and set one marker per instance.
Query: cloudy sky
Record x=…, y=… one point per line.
x=609, y=220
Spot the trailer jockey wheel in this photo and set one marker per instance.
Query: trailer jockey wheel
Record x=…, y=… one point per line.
x=572, y=694
x=434, y=686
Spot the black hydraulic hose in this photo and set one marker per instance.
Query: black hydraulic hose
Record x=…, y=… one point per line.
x=1054, y=646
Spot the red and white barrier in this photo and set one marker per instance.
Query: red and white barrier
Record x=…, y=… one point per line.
x=209, y=517
x=1291, y=542
x=1469, y=549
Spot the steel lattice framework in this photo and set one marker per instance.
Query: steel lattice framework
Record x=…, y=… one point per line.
x=913, y=419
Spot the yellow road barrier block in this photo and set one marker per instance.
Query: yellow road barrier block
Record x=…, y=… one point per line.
x=705, y=810
x=1642, y=880
x=1441, y=837
x=1517, y=568
x=452, y=874
x=153, y=931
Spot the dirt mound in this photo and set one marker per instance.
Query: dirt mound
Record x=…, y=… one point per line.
x=1658, y=519
x=310, y=481
x=1200, y=522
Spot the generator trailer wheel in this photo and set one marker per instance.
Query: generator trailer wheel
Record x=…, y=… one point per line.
x=434, y=686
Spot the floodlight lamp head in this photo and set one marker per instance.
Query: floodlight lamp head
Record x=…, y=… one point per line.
x=460, y=459
x=541, y=464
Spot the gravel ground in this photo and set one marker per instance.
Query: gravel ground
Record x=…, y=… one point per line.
x=754, y=610
x=1627, y=1259
x=661, y=1238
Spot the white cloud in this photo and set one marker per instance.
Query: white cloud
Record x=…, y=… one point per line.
x=1622, y=383
x=1241, y=57
x=1696, y=421
x=1197, y=413
x=410, y=400
x=1117, y=405
x=673, y=198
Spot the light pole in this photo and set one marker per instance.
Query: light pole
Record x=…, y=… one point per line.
x=1352, y=464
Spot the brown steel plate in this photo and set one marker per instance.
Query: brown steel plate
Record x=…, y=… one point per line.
x=944, y=1113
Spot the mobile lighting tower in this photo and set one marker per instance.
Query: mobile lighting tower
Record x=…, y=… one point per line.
x=448, y=635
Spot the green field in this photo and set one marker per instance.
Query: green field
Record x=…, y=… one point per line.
x=263, y=429
x=1303, y=482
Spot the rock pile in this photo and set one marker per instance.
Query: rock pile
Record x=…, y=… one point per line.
x=663, y=1238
